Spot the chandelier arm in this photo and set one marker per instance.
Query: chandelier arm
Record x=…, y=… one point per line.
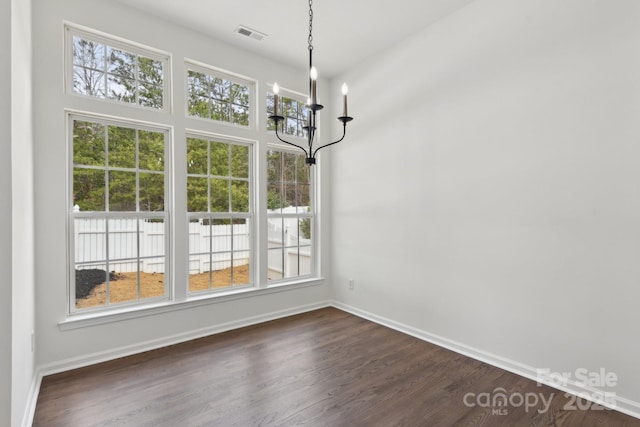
x=291, y=143
x=344, y=133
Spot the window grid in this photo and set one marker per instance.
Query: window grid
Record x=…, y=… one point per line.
x=290, y=216
x=119, y=235
x=116, y=71
x=220, y=226
x=219, y=96
x=293, y=108
x=122, y=216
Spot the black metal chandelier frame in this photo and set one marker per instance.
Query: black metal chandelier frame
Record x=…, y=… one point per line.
x=313, y=108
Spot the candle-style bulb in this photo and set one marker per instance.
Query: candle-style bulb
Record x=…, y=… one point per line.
x=276, y=88
x=314, y=75
x=345, y=89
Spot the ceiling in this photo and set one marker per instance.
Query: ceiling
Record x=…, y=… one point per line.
x=345, y=32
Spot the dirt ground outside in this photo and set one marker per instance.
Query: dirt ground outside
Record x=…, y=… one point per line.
x=123, y=287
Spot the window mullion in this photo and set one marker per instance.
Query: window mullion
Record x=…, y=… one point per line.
x=105, y=71
x=209, y=176
x=138, y=260
x=107, y=264
x=106, y=168
x=136, y=79
x=210, y=255
x=230, y=180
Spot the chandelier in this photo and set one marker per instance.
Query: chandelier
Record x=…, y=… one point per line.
x=312, y=107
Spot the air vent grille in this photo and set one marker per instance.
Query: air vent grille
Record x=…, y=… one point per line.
x=248, y=32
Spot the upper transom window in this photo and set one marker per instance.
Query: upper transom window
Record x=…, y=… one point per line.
x=293, y=108
x=217, y=95
x=103, y=68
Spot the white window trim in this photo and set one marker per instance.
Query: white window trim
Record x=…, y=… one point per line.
x=254, y=278
x=70, y=116
x=174, y=122
x=84, y=320
x=315, y=240
x=72, y=29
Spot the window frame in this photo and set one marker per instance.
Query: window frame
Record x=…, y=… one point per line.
x=71, y=116
x=210, y=70
x=178, y=128
x=71, y=30
x=250, y=215
x=312, y=214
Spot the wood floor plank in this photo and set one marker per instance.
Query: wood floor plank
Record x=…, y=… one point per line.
x=323, y=368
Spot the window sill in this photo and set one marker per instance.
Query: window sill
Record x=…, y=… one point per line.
x=77, y=321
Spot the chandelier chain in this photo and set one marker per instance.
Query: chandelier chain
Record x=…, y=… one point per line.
x=310, y=25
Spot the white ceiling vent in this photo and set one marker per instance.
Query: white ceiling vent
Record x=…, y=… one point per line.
x=253, y=34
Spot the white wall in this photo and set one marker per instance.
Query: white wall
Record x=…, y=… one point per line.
x=23, y=273
x=5, y=215
x=489, y=190
x=486, y=192
x=57, y=349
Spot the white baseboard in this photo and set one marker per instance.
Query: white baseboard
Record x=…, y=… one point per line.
x=621, y=404
x=32, y=399
x=111, y=354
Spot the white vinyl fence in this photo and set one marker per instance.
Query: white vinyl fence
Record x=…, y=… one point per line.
x=289, y=253
x=133, y=240
x=223, y=241
x=128, y=244
x=124, y=243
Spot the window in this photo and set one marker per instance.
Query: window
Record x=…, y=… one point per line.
x=118, y=71
x=290, y=215
x=293, y=109
x=118, y=218
x=121, y=209
x=219, y=96
x=219, y=199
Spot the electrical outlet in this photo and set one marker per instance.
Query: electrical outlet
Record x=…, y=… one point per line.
x=352, y=284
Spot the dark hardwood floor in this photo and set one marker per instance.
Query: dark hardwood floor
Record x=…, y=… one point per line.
x=323, y=368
